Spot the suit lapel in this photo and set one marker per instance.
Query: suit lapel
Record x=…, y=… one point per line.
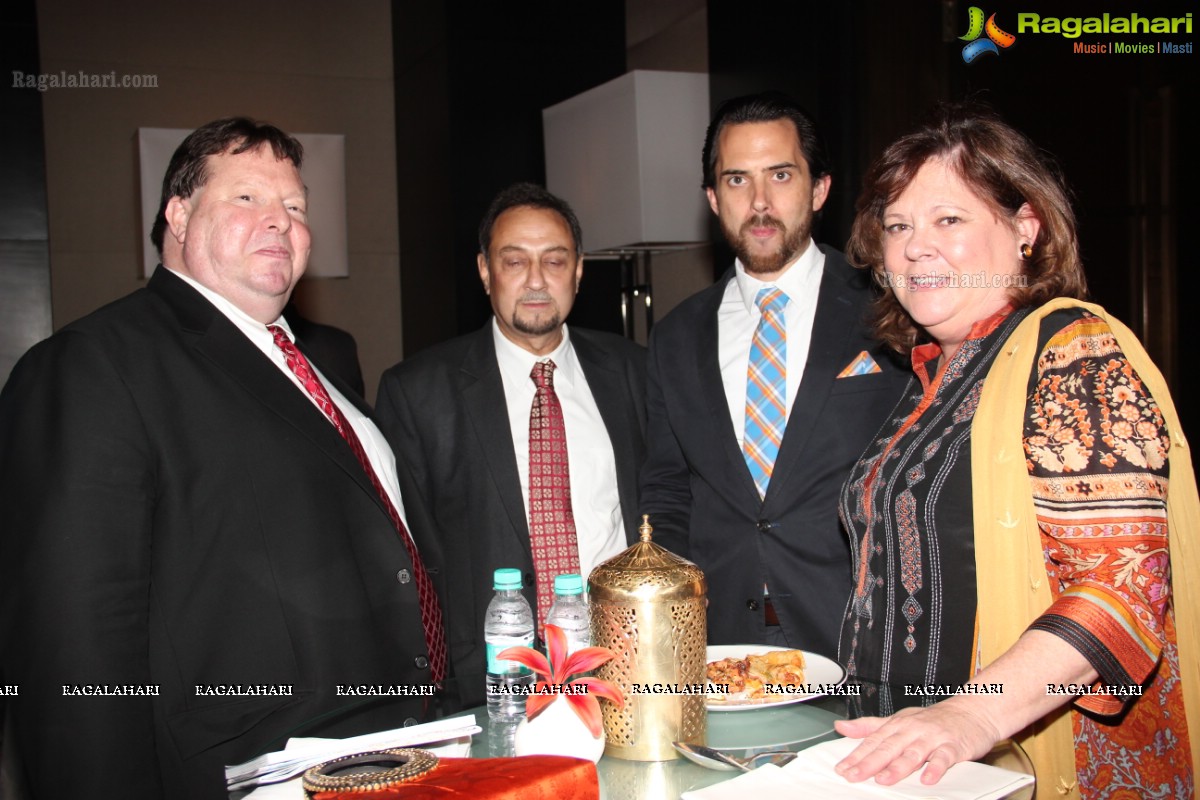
x=483, y=396
x=712, y=388
x=218, y=340
x=833, y=326
x=610, y=389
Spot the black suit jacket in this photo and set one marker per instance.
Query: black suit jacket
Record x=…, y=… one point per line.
x=445, y=414
x=701, y=498
x=177, y=513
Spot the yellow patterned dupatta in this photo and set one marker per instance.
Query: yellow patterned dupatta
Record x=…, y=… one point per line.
x=1010, y=567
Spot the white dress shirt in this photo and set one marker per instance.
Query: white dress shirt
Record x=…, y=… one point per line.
x=599, y=527
x=373, y=442
x=737, y=319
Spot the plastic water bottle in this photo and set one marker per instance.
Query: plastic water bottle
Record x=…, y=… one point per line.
x=570, y=612
x=509, y=623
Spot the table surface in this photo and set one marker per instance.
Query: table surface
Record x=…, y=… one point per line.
x=786, y=727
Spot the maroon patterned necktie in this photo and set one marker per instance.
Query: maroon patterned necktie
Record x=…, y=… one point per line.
x=551, y=521
x=431, y=612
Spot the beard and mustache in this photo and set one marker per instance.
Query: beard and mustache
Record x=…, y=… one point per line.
x=791, y=241
x=534, y=325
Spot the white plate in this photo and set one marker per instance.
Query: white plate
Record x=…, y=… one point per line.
x=819, y=672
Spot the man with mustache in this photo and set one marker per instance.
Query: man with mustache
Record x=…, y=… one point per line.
x=763, y=391
x=203, y=534
x=479, y=422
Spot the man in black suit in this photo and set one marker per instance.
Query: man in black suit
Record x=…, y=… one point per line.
x=194, y=558
x=458, y=416
x=750, y=438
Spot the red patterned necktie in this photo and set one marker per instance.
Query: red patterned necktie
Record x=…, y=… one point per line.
x=431, y=612
x=551, y=521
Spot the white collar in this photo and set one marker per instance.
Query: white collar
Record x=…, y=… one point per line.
x=800, y=278
x=244, y=322
x=517, y=362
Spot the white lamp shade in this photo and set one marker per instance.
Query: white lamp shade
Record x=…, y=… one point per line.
x=627, y=156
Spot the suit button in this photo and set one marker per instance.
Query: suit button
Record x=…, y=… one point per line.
x=529, y=579
x=404, y=576
x=421, y=662
x=752, y=604
x=764, y=525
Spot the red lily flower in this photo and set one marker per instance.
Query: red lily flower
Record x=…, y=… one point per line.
x=556, y=671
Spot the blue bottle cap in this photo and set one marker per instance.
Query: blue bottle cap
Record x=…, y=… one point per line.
x=568, y=584
x=506, y=579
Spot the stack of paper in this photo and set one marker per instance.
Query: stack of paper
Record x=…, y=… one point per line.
x=302, y=754
x=812, y=775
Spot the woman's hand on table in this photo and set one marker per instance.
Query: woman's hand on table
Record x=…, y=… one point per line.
x=966, y=726
x=937, y=737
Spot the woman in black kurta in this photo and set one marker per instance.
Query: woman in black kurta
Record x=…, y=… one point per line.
x=907, y=506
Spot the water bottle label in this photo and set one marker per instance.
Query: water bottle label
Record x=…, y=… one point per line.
x=497, y=666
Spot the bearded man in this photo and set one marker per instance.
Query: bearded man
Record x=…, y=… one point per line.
x=763, y=391
x=523, y=438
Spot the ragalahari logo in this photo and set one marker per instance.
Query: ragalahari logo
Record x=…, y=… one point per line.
x=976, y=27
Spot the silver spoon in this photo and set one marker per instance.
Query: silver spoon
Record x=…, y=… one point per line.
x=715, y=759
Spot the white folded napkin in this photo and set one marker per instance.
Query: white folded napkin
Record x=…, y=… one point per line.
x=812, y=770
x=300, y=754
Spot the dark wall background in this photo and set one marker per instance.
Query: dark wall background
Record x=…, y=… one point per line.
x=469, y=100
x=24, y=232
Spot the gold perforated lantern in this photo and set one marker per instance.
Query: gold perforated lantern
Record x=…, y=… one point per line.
x=648, y=607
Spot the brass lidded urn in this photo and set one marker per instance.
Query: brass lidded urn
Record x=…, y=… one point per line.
x=648, y=607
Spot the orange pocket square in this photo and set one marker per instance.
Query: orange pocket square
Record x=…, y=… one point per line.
x=862, y=364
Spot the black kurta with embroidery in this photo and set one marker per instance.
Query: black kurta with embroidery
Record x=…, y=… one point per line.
x=907, y=506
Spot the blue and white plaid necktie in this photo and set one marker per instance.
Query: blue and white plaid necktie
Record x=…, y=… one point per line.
x=766, y=388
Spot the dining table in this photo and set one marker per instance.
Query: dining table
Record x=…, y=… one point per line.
x=743, y=732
